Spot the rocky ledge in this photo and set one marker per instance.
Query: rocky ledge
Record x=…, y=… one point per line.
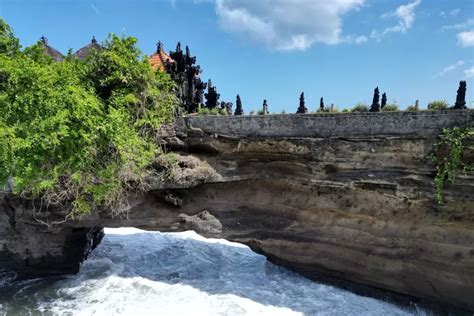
x=339, y=202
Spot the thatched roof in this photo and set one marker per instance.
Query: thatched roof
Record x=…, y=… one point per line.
x=54, y=53
x=86, y=51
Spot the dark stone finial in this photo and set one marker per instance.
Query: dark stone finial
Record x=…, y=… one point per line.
x=302, y=109
x=188, y=52
x=461, y=96
x=384, y=100
x=375, y=107
x=238, y=106
x=44, y=40
x=93, y=41
x=178, y=47
x=159, y=46
x=321, y=105
x=212, y=97
x=265, y=108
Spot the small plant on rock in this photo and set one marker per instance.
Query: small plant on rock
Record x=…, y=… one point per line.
x=448, y=156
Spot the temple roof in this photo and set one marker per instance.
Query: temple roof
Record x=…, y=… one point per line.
x=85, y=51
x=159, y=59
x=54, y=53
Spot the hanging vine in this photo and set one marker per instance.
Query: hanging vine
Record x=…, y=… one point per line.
x=448, y=156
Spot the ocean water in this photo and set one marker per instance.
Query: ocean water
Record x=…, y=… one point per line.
x=135, y=272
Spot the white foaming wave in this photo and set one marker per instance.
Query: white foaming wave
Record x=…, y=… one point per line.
x=135, y=272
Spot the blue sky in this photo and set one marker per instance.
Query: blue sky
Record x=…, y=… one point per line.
x=275, y=49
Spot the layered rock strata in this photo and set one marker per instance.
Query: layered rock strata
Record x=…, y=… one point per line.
x=347, y=197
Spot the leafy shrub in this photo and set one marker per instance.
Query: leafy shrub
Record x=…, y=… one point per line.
x=213, y=111
x=360, y=107
x=81, y=134
x=438, y=105
x=390, y=108
x=260, y=112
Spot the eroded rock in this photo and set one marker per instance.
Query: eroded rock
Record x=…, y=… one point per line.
x=356, y=205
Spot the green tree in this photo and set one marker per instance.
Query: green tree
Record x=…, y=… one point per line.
x=81, y=134
x=9, y=44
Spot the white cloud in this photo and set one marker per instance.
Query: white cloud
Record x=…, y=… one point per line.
x=468, y=23
x=450, y=68
x=466, y=39
x=469, y=73
x=94, y=8
x=360, y=39
x=288, y=24
x=454, y=12
x=405, y=15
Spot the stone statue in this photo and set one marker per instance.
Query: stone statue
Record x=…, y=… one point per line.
x=238, y=106
x=265, y=108
x=212, y=97
x=321, y=105
x=461, y=96
x=417, y=105
x=384, y=100
x=302, y=109
x=375, y=107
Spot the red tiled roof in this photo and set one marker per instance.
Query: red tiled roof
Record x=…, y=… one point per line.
x=159, y=59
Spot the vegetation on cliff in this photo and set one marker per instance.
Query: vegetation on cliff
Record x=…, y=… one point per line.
x=79, y=133
x=448, y=156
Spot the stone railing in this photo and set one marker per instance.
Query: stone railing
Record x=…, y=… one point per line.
x=422, y=124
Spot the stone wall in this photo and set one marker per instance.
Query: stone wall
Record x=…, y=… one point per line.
x=420, y=124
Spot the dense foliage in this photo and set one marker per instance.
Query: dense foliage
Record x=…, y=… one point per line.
x=79, y=133
x=9, y=44
x=360, y=107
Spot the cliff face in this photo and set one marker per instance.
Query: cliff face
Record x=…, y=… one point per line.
x=337, y=196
